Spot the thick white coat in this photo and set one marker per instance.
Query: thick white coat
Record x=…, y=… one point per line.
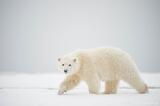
x=108, y=64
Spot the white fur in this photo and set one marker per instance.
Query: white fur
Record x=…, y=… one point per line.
x=93, y=65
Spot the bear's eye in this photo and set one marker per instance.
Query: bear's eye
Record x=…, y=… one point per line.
x=62, y=64
x=69, y=65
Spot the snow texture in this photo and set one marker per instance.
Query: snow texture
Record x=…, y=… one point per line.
x=41, y=90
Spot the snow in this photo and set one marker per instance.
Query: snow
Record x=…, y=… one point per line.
x=41, y=90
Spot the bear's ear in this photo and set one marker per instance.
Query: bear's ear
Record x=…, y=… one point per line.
x=74, y=60
x=59, y=59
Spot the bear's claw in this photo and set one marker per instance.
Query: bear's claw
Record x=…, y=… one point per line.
x=60, y=92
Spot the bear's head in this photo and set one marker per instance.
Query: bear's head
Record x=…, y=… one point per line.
x=68, y=64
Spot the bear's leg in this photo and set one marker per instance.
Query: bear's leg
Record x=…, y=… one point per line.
x=111, y=87
x=93, y=83
x=136, y=82
x=69, y=83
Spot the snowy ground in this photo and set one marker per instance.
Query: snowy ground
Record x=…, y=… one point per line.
x=41, y=90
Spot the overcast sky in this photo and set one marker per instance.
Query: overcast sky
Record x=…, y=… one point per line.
x=33, y=33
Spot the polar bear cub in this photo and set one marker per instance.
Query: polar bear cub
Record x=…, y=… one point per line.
x=100, y=64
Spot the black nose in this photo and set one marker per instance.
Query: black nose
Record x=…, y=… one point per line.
x=65, y=71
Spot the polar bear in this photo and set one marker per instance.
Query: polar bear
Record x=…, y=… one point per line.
x=99, y=64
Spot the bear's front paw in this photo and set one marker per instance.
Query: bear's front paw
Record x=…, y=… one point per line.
x=62, y=90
